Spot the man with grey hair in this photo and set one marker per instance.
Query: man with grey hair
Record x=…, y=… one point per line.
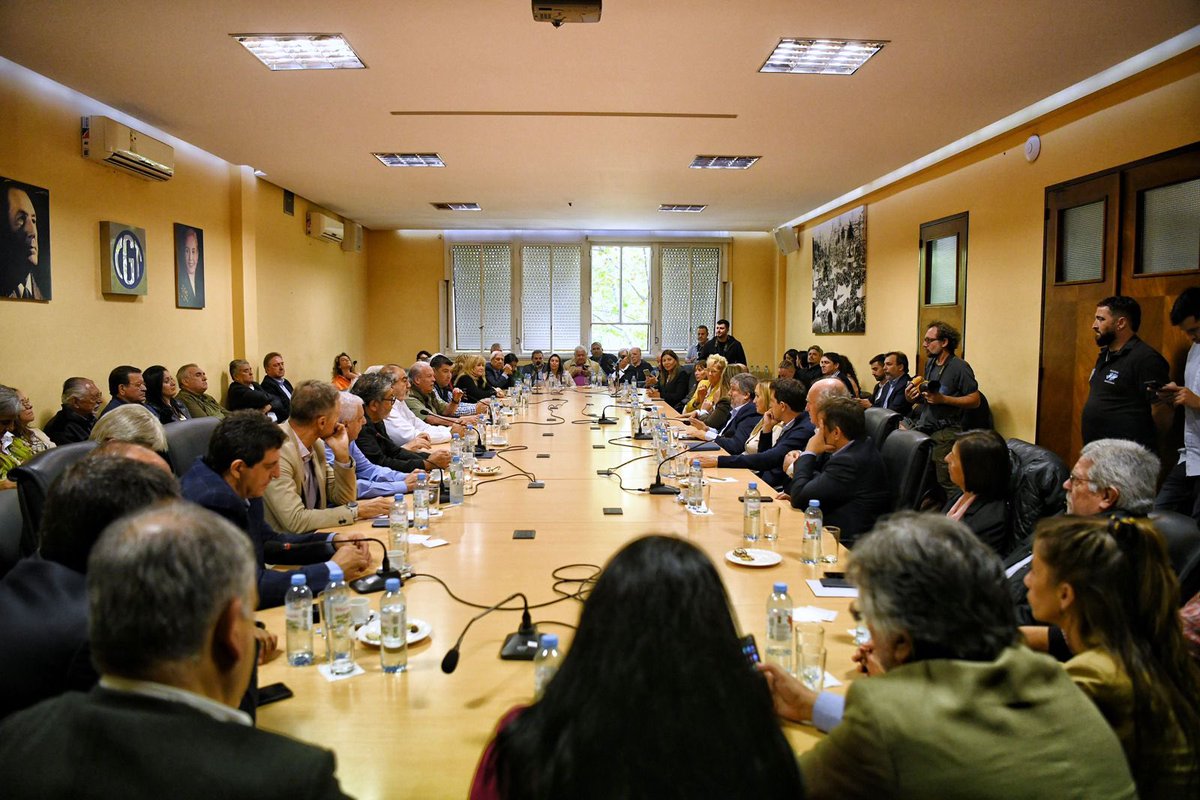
x=402, y=424
x=961, y=710
x=818, y=393
x=378, y=397
x=743, y=416
x=193, y=392
x=73, y=423
x=244, y=393
x=175, y=651
x=131, y=423
x=371, y=480
x=424, y=402
x=582, y=369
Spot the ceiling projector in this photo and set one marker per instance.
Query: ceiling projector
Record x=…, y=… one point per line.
x=556, y=13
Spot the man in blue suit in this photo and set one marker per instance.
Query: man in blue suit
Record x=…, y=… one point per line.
x=743, y=416
x=841, y=468
x=788, y=408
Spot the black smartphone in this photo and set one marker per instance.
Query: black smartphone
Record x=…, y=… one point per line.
x=839, y=582
x=834, y=575
x=764, y=498
x=273, y=693
x=750, y=649
x=381, y=522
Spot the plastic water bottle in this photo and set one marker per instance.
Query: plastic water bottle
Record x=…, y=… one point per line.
x=545, y=663
x=298, y=604
x=695, y=488
x=339, y=627
x=469, y=445
x=456, y=445
x=397, y=551
x=752, y=514
x=779, y=627
x=421, y=503
x=456, y=481
x=814, y=524
x=393, y=628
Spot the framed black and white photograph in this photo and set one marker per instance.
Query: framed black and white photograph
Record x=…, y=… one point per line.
x=189, y=266
x=840, y=274
x=24, y=241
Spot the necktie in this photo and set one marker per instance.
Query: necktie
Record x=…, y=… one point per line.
x=311, y=493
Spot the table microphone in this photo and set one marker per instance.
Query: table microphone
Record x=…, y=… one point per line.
x=519, y=646
x=658, y=487
x=364, y=585
x=603, y=419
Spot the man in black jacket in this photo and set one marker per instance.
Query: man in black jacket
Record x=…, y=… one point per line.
x=890, y=394
x=80, y=399
x=176, y=651
x=723, y=345
x=768, y=462
x=279, y=387
x=244, y=394
x=377, y=395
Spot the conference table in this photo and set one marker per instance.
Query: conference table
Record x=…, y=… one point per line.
x=420, y=733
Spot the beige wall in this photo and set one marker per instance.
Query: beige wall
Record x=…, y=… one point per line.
x=404, y=271
x=1004, y=196
x=756, y=273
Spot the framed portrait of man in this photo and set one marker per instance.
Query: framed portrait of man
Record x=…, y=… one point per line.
x=189, y=266
x=24, y=241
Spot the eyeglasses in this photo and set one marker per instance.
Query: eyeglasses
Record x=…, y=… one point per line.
x=1074, y=479
x=389, y=400
x=927, y=340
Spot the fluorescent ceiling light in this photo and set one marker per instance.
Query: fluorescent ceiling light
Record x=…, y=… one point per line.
x=410, y=159
x=457, y=206
x=285, y=51
x=684, y=208
x=821, y=56
x=723, y=162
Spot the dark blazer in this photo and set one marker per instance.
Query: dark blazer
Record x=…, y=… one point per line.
x=536, y=373
x=497, y=379
x=768, y=461
x=732, y=438
x=281, y=403
x=242, y=396
x=204, y=487
x=636, y=374
x=115, y=402
x=675, y=392
x=473, y=391
x=719, y=414
x=43, y=636
x=379, y=449
x=896, y=402
x=66, y=427
x=851, y=485
x=112, y=744
x=989, y=521
x=608, y=363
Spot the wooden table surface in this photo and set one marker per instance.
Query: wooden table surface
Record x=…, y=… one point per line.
x=420, y=734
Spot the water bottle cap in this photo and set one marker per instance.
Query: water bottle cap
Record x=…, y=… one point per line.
x=695, y=462
x=814, y=503
x=335, y=573
x=299, y=579
x=753, y=485
x=392, y=584
x=781, y=588
x=456, y=460
x=549, y=640
x=420, y=474
x=455, y=436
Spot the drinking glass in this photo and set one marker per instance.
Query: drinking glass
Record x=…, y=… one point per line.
x=810, y=664
x=770, y=521
x=829, y=554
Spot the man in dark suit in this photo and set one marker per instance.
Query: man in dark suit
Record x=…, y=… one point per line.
x=243, y=457
x=743, y=416
x=890, y=393
x=841, y=468
x=43, y=628
x=788, y=408
x=176, y=652
x=244, y=394
x=74, y=422
x=275, y=384
x=126, y=385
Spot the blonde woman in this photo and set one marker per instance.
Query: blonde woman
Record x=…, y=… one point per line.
x=468, y=376
x=764, y=397
x=715, y=408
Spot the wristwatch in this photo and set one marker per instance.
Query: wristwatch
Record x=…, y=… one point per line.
x=353, y=506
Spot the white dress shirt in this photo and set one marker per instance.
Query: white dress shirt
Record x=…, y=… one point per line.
x=403, y=426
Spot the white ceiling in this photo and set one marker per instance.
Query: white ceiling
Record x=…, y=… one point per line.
x=952, y=67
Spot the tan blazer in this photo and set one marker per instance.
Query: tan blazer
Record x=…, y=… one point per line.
x=284, y=498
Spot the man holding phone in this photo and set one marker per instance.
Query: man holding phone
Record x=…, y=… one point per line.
x=1181, y=490
x=1125, y=380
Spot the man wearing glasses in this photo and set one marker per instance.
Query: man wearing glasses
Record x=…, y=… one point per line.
x=947, y=391
x=378, y=397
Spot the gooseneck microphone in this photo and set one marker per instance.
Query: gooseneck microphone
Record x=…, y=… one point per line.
x=603, y=419
x=519, y=646
x=658, y=487
x=364, y=585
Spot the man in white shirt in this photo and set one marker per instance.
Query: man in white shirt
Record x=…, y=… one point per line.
x=403, y=426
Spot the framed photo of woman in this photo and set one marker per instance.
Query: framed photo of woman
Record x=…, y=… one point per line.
x=189, y=266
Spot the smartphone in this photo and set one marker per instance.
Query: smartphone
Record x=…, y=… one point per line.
x=838, y=582
x=750, y=649
x=380, y=522
x=273, y=693
x=764, y=498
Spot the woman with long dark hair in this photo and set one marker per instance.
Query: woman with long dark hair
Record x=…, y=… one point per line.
x=665, y=708
x=1109, y=585
x=979, y=466
x=557, y=371
x=161, y=393
x=673, y=381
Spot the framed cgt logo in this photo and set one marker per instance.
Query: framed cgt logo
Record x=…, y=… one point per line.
x=122, y=259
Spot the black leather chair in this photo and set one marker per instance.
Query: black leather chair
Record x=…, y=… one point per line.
x=880, y=424
x=10, y=530
x=187, y=440
x=1183, y=547
x=906, y=455
x=33, y=483
x=1035, y=486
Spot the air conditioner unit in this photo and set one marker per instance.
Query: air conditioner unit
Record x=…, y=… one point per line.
x=354, y=238
x=556, y=12
x=325, y=227
x=109, y=142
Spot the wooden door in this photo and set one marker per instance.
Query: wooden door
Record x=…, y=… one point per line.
x=943, y=281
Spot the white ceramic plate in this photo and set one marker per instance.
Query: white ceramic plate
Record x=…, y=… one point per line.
x=760, y=558
x=369, y=634
x=492, y=470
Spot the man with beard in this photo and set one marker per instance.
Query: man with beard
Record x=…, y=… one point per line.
x=1126, y=375
x=20, y=274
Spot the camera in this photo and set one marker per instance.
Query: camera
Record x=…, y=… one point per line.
x=931, y=387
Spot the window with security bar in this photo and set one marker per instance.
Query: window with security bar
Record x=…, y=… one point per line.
x=482, y=295
x=689, y=278
x=550, y=297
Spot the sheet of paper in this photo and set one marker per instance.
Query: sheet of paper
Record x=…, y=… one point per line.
x=434, y=543
x=813, y=614
x=821, y=591
x=329, y=676
x=417, y=538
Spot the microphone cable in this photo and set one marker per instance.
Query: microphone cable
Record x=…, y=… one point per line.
x=580, y=593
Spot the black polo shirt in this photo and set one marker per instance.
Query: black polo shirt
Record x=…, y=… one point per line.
x=1118, y=406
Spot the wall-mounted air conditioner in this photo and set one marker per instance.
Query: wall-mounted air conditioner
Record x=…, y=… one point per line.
x=109, y=142
x=324, y=227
